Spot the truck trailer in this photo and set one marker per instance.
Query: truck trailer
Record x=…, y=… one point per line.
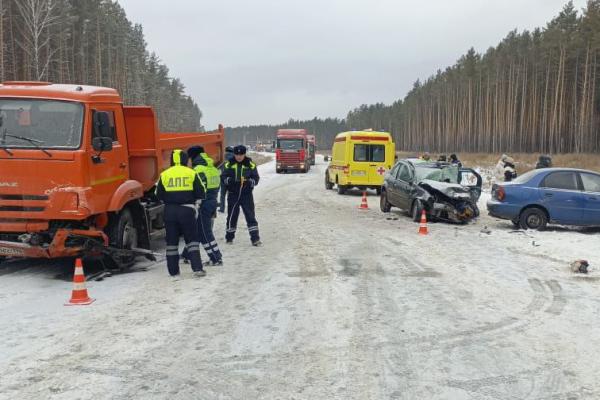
x=78, y=171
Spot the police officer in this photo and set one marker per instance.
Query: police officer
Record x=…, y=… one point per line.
x=228, y=157
x=211, y=178
x=180, y=188
x=240, y=176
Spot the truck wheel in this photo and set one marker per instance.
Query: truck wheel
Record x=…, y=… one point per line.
x=122, y=234
x=533, y=218
x=384, y=204
x=278, y=170
x=378, y=191
x=328, y=184
x=341, y=189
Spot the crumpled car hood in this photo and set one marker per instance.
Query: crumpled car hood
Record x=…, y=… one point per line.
x=444, y=187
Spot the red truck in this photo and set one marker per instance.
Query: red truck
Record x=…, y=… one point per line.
x=312, y=149
x=78, y=172
x=292, y=151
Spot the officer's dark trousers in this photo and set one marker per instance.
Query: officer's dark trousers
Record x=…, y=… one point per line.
x=205, y=229
x=181, y=220
x=222, y=194
x=246, y=203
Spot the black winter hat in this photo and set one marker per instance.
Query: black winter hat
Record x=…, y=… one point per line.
x=240, y=149
x=195, y=151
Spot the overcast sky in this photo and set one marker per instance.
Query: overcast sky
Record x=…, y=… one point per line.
x=265, y=61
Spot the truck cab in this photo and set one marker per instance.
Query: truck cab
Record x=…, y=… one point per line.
x=292, y=150
x=78, y=170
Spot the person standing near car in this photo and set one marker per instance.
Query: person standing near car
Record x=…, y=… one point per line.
x=455, y=161
x=510, y=172
x=499, y=169
x=180, y=188
x=223, y=191
x=211, y=178
x=240, y=176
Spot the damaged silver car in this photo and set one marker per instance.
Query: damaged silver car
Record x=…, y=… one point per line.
x=445, y=191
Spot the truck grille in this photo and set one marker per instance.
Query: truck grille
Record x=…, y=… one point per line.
x=289, y=157
x=22, y=203
x=20, y=208
x=22, y=197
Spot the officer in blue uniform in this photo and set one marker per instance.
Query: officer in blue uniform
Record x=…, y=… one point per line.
x=180, y=188
x=223, y=193
x=211, y=178
x=240, y=176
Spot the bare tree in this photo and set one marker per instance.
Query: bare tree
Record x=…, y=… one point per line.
x=38, y=16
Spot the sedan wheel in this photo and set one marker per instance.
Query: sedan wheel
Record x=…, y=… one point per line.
x=416, y=211
x=533, y=218
x=384, y=204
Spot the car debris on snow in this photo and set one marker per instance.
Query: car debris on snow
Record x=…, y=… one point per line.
x=580, y=266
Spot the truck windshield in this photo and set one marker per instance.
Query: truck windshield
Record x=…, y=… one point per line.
x=290, y=144
x=44, y=124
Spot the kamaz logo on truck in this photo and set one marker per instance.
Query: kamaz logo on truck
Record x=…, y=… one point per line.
x=9, y=184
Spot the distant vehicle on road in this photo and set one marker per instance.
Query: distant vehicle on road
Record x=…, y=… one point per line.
x=312, y=149
x=552, y=195
x=360, y=159
x=446, y=192
x=292, y=151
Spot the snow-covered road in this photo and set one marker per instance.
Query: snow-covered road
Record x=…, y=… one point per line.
x=338, y=304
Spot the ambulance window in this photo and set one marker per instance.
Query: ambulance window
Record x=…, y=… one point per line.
x=377, y=153
x=361, y=152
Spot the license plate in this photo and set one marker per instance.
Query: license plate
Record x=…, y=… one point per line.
x=359, y=173
x=7, y=251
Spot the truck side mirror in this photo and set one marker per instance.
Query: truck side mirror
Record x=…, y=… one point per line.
x=102, y=144
x=101, y=125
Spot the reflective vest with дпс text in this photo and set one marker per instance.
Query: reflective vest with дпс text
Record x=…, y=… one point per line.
x=178, y=179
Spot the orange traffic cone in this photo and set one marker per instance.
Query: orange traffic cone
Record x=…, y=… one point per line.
x=364, y=205
x=423, y=227
x=79, y=296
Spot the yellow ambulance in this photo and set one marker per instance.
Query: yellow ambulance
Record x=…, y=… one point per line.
x=360, y=159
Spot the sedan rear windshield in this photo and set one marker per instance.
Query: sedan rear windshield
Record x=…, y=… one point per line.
x=290, y=144
x=46, y=124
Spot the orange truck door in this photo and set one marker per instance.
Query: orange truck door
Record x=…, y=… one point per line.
x=113, y=170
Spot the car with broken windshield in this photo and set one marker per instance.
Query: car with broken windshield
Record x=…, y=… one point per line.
x=444, y=191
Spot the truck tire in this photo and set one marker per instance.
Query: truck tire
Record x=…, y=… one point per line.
x=533, y=218
x=278, y=170
x=341, y=189
x=122, y=234
x=328, y=184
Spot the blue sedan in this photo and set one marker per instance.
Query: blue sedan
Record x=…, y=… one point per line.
x=553, y=195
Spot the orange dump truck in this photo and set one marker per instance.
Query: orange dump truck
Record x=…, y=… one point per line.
x=78, y=171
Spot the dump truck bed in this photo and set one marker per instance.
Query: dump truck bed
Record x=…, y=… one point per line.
x=150, y=150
